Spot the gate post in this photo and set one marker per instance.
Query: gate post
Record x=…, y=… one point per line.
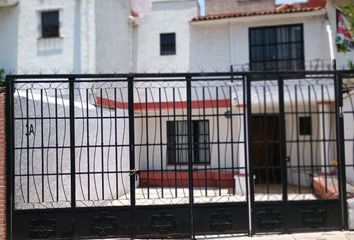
x=250, y=189
x=340, y=149
x=190, y=151
x=72, y=141
x=131, y=151
x=9, y=158
x=2, y=167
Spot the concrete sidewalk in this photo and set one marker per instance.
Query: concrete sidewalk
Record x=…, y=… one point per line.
x=345, y=235
x=300, y=236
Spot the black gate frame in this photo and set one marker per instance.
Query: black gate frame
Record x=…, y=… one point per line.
x=283, y=211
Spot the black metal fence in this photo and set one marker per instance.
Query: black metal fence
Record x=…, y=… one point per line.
x=162, y=155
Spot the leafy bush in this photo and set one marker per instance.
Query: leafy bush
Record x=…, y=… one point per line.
x=2, y=77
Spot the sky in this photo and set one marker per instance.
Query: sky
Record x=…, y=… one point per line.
x=277, y=2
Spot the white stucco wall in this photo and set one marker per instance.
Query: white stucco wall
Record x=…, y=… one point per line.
x=348, y=110
x=300, y=152
x=219, y=130
x=34, y=52
x=113, y=36
x=165, y=17
x=230, y=42
x=8, y=38
x=92, y=159
x=210, y=47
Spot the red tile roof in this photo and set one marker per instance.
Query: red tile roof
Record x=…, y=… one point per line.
x=310, y=6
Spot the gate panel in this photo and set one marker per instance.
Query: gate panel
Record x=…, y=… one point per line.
x=162, y=193
x=42, y=146
x=102, y=160
x=307, y=196
x=311, y=152
x=219, y=161
x=175, y=155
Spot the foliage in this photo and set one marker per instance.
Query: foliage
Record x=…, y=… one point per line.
x=2, y=77
x=350, y=65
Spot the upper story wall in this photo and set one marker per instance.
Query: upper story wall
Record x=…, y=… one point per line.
x=93, y=37
x=166, y=17
x=59, y=54
x=216, y=45
x=8, y=36
x=113, y=36
x=227, y=6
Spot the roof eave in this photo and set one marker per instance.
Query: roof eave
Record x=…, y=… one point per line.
x=276, y=16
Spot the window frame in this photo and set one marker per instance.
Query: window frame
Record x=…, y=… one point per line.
x=172, y=151
x=167, y=49
x=277, y=61
x=306, y=129
x=45, y=32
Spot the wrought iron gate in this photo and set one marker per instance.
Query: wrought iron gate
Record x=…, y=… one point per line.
x=174, y=155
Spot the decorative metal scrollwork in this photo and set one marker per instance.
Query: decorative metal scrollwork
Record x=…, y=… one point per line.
x=163, y=222
x=269, y=218
x=220, y=221
x=314, y=217
x=104, y=225
x=42, y=227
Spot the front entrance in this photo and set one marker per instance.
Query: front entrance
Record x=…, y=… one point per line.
x=266, y=149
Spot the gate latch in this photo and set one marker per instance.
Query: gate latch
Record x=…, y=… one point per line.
x=341, y=111
x=133, y=172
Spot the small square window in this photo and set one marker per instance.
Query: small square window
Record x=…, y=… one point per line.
x=168, y=43
x=305, y=125
x=177, y=142
x=50, y=24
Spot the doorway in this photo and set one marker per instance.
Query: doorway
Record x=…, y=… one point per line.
x=266, y=149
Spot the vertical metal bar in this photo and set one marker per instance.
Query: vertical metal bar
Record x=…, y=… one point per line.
x=283, y=162
x=205, y=166
x=10, y=156
x=116, y=138
x=282, y=138
x=72, y=150
x=341, y=150
x=72, y=141
x=218, y=138
x=297, y=139
x=311, y=139
x=88, y=144
x=174, y=137
x=131, y=139
x=161, y=142
x=27, y=147
x=147, y=142
x=190, y=153
x=56, y=143
x=42, y=146
x=248, y=149
x=265, y=141
x=324, y=140
x=102, y=149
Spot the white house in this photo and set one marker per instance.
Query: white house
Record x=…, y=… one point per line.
x=102, y=36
